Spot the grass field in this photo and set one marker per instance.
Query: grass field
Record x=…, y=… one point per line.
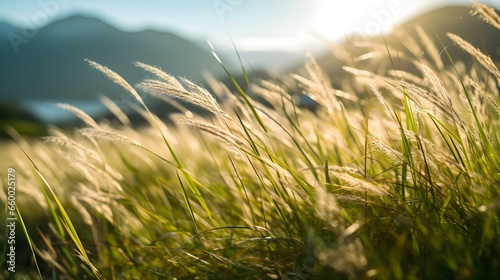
x=395, y=175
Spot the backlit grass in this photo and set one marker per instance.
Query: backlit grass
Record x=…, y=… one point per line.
x=395, y=175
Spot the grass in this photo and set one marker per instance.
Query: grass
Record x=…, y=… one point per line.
x=393, y=176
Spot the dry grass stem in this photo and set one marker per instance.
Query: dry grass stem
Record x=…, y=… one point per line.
x=485, y=60
x=100, y=134
x=117, y=112
x=116, y=79
x=486, y=13
x=80, y=114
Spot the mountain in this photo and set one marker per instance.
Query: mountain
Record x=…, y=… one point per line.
x=50, y=64
x=5, y=28
x=436, y=23
x=457, y=20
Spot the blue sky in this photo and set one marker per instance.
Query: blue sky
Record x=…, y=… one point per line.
x=252, y=24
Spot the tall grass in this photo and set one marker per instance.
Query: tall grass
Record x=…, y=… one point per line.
x=395, y=175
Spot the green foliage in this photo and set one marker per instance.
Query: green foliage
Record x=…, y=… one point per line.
x=400, y=185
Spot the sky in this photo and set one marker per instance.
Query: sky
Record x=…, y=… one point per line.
x=252, y=24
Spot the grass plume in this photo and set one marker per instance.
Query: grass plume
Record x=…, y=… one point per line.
x=392, y=175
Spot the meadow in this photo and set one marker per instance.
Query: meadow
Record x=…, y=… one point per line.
x=393, y=175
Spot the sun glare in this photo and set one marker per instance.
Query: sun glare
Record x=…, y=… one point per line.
x=335, y=19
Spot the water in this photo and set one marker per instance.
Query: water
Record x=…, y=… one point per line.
x=48, y=112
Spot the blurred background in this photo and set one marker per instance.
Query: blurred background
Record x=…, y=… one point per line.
x=43, y=44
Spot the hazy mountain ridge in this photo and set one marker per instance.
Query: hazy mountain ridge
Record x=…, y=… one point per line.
x=436, y=23
x=5, y=28
x=51, y=65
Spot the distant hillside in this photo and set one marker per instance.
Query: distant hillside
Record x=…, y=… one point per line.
x=457, y=20
x=51, y=65
x=436, y=23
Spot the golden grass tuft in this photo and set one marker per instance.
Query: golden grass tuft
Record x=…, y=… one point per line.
x=391, y=176
x=482, y=58
x=486, y=13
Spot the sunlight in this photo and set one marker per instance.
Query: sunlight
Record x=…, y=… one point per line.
x=261, y=44
x=336, y=19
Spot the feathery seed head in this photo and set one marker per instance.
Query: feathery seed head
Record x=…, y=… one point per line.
x=99, y=134
x=116, y=79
